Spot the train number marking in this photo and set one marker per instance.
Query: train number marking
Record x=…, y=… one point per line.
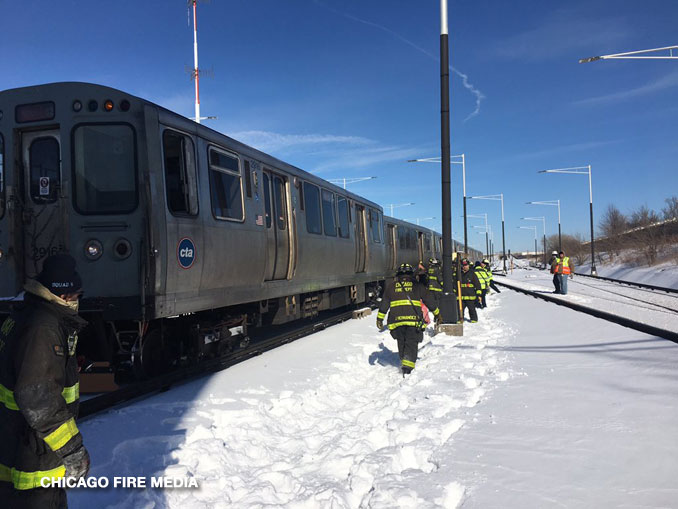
x=186, y=253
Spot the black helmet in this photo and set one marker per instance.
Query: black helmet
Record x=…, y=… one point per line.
x=405, y=269
x=434, y=261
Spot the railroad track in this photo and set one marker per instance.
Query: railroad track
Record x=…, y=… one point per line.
x=631, y=283
x=103, y=402
x=620, y=320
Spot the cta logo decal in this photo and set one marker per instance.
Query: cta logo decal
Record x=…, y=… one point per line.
x=186, y=253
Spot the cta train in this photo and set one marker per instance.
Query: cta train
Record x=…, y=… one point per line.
x=184, y=237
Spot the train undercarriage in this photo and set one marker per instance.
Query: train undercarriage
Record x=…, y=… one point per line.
x=117, y=352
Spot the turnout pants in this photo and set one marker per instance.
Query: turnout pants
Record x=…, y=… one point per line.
x=483, y=304
x=408, y=339
x=471, y=306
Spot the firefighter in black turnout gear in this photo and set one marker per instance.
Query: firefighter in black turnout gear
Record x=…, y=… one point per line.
x=434, y=279
x=471, y=290
x=39, y=390
x=403, y=296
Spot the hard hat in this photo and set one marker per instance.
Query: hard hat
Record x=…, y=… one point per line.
x=554, y=252
x=405, y=268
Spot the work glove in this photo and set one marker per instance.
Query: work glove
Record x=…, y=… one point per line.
x=77, y=463
x=380, y=323
x=571, y=276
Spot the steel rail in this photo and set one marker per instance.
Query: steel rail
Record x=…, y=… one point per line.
x=161, y=383
x=619, y=320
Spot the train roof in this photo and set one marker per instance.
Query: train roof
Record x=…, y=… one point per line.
x=193, y=127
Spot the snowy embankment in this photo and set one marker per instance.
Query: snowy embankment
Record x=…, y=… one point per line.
x=664, y=274
x=536, y=406
x=327, y=421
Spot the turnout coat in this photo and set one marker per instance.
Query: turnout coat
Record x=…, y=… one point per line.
x=39, y=389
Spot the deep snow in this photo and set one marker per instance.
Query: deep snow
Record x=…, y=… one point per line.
x=535, y=406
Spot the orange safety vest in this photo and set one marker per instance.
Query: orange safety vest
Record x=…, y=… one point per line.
x=563, y=266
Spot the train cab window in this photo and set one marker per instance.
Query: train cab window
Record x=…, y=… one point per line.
x=329, y=222
x=342, y=209
x=105, y=169
x=2, y=176
x=375, y=225
x=226, y=186
x=180, y=179
x=45, y=173
x=312, y=199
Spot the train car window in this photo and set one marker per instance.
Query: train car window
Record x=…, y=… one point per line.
x=342, y=209
x=375, y=225
x=226, y=186
x=329, y=222
x=402, y=238
x=180, y=179
x=105, y=169
x=248, y=180
x=45, y=163
x=427, y=242
x=2, y=176
x=267, y=200
x=280, y=202
x=312, y=199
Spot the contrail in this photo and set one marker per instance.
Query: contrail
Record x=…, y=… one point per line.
x=464, y=77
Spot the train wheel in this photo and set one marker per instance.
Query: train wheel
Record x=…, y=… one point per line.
x=151, y=359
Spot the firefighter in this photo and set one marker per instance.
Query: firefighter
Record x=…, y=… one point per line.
x=562, y=267
x=470, y=290
x=435, y=279
x=490, y=277
x=39, y=390
x=483, y=279
x=403, y=296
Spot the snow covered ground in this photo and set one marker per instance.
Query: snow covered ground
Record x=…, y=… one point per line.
x=535, y=406
x=665, y=274
x=653, y=308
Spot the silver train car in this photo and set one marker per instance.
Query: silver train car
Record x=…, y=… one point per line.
x=184, y=237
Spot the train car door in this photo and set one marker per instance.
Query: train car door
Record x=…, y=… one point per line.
x=277, y=226
x=43, y=225
x=360, y=239
x=391, y=242
x=422, y=248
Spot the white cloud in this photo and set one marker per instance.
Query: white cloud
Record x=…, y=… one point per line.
x=268, y=141
x=668, y=81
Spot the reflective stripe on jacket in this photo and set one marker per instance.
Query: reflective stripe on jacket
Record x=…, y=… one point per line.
x=39, y=388
x=402, y=301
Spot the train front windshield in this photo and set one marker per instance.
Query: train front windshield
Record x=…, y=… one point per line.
x=105, y=170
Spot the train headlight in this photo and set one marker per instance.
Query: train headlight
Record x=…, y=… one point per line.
x=93, y=249
x=92, y=105
x=122, y=249
x=77, y=106
x=108, y=105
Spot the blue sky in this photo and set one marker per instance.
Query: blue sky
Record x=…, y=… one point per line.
x=351, y=88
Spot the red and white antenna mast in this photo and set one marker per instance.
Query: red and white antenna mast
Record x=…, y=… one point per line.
x=195, y=72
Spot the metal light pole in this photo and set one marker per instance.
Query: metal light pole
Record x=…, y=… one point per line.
x=636, y=55
x=463, y=171
x=448, y=303
x=543, y=220
x=576, y=170
x=555, y=203
x=417, y=219
x=534, y=229
x=396, y=205
x=497, y=197
x=350, y=180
